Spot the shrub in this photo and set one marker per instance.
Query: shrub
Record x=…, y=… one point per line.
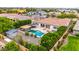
x=41, y=48
x=27, y=33
x=32, y=47
x=5, y=24
x=32, y=34
x=63, y=15
x=19, y=23
x=49, y=39
x=11, y=46
x=77, y=35
x=1, y=36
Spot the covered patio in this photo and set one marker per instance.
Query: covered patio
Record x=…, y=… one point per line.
x=25, y=27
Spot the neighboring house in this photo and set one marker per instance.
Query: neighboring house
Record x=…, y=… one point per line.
x=30, y=13
x=38, y=17
x=64, y=10
x=51, y=23
x=12, y=33
x=37, y=14
x=67, y=11
x=15, y=17
x=54, y=14
x=76, y=28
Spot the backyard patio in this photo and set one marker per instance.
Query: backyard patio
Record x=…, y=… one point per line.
x=30, y=38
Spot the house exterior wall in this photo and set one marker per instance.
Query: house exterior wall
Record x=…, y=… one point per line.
x=39, y=25
x=75, y=31
x=50, y=27
x=53, y=28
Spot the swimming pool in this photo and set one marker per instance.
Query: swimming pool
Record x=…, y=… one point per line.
x=37, y=33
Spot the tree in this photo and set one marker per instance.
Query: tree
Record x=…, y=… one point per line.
x=42, y=48
x=19, y=23
x=1, y=36
x=12, y=11
x=30, y=9
x=61, y=29
x=5, y=24
x=49, y=39
x=27, y=33
x=32, y=47
x=1, y=11
x=46, y=40
x=11, y=46
x=20, y=40
x=63, y=15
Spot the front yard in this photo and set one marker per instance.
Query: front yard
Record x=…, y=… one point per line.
x=72, y=44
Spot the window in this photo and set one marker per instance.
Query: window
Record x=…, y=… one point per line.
x=42, y=25
x=55, y=27
x=47, y=26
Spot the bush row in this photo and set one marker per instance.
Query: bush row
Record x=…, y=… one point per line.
x=19, y=23
x=63, y=15
x=49, y=39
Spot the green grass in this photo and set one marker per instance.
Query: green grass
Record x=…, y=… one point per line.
x=73, y=44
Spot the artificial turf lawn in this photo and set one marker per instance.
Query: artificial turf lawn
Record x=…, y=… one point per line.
x=72, y=45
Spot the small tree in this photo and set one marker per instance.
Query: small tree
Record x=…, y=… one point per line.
x=49, y=39
x=18, y=38
x=42, y=48
x=32, y=34
x=64, y=15
x=27, y=33
x=32, y=47
x=1, y=36
x=11, y=46
x=5, y=24
x=19, y=23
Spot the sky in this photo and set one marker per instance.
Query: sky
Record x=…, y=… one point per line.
x=40, y=3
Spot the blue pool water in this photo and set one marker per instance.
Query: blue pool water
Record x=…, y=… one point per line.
x=37, y=33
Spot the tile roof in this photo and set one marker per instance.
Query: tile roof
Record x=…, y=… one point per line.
x=54, y=21
x=15, y=16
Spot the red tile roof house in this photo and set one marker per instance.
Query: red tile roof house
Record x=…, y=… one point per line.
x=51, y=23
x=15, y=16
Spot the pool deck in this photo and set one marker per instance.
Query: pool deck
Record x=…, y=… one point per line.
x=31, y=39
x=40, y=29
